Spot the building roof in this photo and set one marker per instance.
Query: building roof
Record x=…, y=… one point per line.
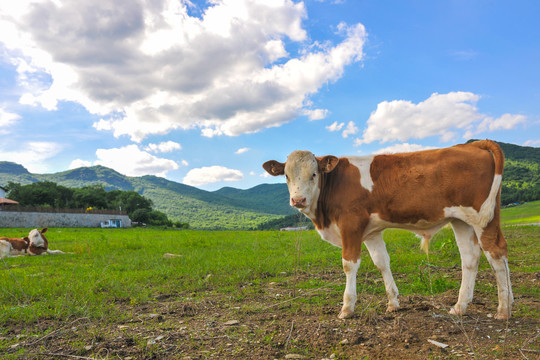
x=8, y=201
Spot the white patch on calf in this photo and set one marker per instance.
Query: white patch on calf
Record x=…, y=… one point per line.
x=478, y=219
x=502, y=275
x=363, y=163
x=377, y=250
x=36, y=239
x=332, y=234
x=299, y=170
x=5, y=248
x=349, y=296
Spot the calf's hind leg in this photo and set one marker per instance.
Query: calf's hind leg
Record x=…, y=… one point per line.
x=470, y=252
x=495, y=249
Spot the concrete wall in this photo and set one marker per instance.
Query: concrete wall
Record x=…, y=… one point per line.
x=12, y=219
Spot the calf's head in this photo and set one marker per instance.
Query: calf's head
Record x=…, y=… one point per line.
x=303, y=171
x=38, y=242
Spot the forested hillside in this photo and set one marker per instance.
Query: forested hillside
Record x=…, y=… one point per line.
x=521, y=178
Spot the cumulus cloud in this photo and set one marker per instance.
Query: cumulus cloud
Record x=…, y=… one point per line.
x=164, y=147
x=211, y=174
x=148, y=67
x=7, y=118
x=32, y=154
x=351, y=129
x=335, y=126
x=242, y=150
x=78, y=163
x=132, y=161
x=402, y=148
x=441, y=115
x=505, y=122
x=316, y=114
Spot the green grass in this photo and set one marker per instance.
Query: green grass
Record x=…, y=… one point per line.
x=110, y=267
x=528, y=213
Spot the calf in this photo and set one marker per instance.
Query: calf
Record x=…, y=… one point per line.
x=351, y=200
x=34, y=244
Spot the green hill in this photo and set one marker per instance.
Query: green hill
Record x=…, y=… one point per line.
x=521, y=178
x=201, y=209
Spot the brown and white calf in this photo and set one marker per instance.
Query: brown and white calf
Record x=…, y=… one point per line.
x=351, y=200
x=34, y=244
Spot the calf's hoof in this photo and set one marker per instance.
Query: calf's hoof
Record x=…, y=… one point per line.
x=392, y=308
x=455, y=311
x=345, y=314
x=502, y=315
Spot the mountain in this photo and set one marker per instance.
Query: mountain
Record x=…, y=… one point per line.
x=223, y=209
x=230, y=208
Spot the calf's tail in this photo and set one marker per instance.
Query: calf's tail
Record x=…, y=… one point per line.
x=495, y=150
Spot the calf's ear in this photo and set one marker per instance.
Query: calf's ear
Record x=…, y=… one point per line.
x=327, y=163
x=44, y=230
x=274, y=168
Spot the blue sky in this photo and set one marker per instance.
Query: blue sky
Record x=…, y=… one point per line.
x=203, y=92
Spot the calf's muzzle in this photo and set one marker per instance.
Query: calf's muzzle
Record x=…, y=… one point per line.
x=298, y=202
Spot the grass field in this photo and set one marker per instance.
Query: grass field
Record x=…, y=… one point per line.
x=528, y=213
x=255, y=294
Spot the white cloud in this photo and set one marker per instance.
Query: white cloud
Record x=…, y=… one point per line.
x=441, y=115
x=335, y=126
x=211, y=174
x=32, y=155
x=132, y=161
x=316, y=114
x=7, y=118
x=150, y=67
x=351, y=129
x=164, y=147
x=534, y=143
x=78, y=163
x=505, y=122
x=242, y=150
x=402, y=148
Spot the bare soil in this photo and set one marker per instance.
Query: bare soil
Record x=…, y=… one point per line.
x=269, y=323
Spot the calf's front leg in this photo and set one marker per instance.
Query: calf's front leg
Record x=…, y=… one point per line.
x=349, y=296
x=377, y=250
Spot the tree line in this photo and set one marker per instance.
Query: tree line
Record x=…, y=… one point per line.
x=50, y=194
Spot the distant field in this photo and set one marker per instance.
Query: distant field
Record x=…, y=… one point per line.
x=528, y=213
x=117, y=296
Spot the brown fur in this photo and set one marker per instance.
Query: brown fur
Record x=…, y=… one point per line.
x=18, y=244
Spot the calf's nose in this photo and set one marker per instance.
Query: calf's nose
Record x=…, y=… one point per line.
x=299, y=202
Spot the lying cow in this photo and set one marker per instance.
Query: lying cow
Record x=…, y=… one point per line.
x=351, y=200
x=34, y=244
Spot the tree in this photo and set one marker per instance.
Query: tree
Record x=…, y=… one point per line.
x=130, y=201
x=159, y=218
x=44, y=193
x=140, y=216
x=94, y=196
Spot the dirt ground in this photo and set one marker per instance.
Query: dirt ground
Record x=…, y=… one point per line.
x=270, y=324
